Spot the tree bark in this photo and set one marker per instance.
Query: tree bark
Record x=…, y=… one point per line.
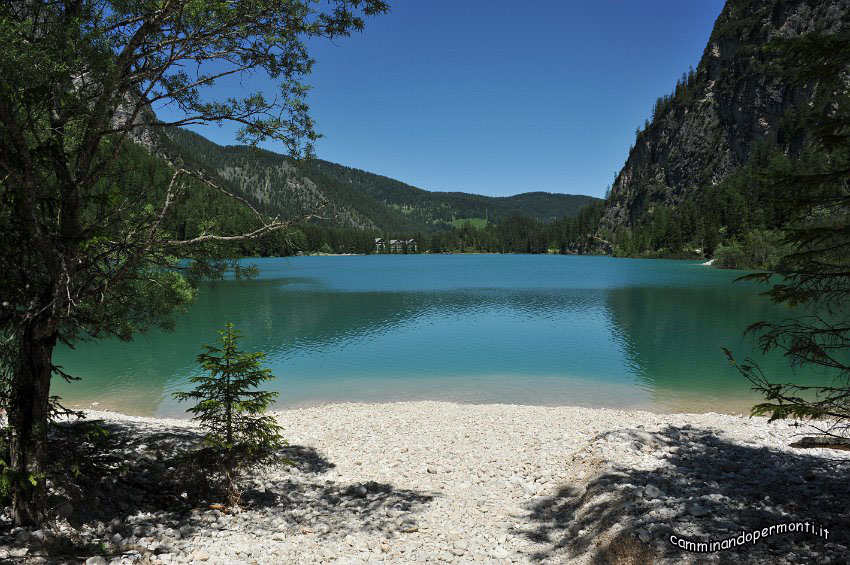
x=28, y=417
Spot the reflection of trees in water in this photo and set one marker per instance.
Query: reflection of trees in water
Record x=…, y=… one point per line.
x=670, y=336
x=290, y=316
x=673, y=336
x=276, y=319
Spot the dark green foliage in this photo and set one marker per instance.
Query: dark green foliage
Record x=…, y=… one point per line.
x=429, y=211
x=338, y=239
x=352, y=198
x=519, y=234
x=203, y=208
x=696, y=175
x=239, y=434
x=357, y=206
x=6, y=473
x=725, y=212
x=578, y=235
x=814, y=277
x=758, y=249
x=94, y=232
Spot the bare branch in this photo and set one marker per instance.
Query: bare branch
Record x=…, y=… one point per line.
x=271, y=227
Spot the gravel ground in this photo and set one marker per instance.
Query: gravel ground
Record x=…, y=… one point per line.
x=434, y=481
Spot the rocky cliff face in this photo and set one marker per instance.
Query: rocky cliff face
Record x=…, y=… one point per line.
x=708, y=127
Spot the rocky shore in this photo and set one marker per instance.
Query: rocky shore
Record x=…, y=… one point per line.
x=432, y=481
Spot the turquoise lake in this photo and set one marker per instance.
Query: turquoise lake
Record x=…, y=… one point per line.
x=523, y=329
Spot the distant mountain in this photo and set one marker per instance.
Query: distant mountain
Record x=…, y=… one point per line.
x=351, y=197
x=690, y=181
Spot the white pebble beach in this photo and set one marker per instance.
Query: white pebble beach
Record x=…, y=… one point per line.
x=437, y=481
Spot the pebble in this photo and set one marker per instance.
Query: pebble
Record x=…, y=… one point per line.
x=651, y=492
x=698, y=511
x=409, y=482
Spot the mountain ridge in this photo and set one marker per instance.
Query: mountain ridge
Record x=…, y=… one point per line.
x=689, y=181
x=355, y=198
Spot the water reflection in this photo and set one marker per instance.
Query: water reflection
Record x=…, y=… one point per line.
x=589, y=331
x=672, y=338
x=340, y=345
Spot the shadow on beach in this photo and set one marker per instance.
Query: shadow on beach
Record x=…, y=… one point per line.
x=705, y=488
x=122, y=488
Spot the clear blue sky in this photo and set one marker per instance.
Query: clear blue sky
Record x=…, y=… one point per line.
x=496, y=97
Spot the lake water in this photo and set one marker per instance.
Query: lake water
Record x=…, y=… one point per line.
x=592, y=331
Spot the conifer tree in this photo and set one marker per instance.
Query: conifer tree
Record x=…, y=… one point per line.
x=82, y=255
x=814, y=278
x=239, y=434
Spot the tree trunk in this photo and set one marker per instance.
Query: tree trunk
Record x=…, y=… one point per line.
x=28, y=417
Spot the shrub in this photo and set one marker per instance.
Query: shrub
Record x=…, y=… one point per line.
x=239, y=435
x=759, y=249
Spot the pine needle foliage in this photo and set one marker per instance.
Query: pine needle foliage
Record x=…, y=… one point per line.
x=92, y=247
x=239, y=433
x=814, y=277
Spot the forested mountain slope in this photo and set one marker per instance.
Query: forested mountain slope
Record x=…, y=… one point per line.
x=354, y=198
x=691, y=181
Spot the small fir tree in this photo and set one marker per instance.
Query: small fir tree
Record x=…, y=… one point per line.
x=239, y=434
